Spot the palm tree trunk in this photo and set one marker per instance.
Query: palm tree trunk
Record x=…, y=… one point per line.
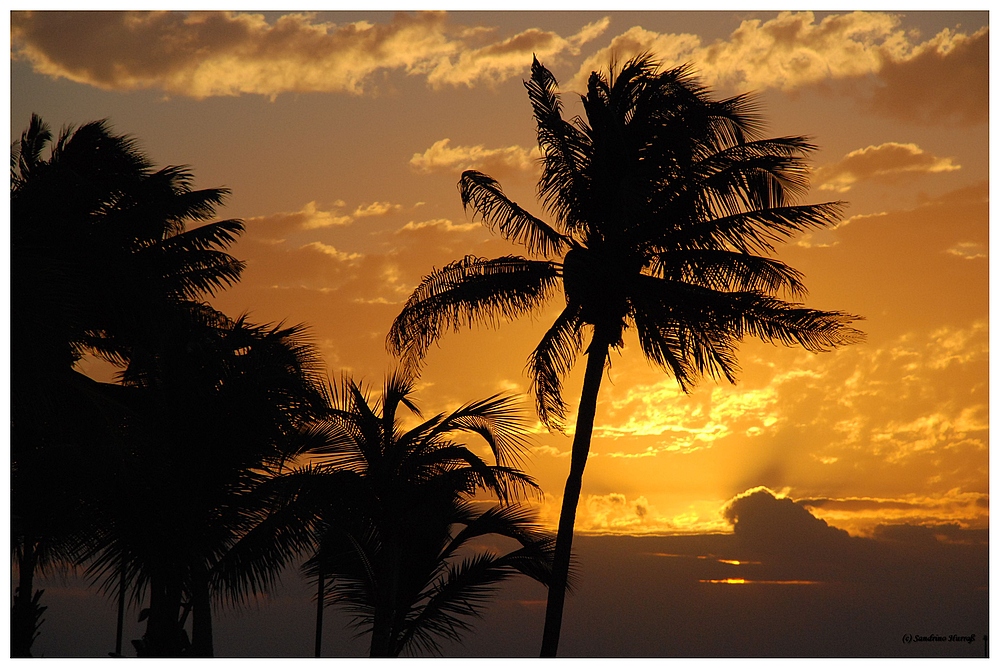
x=201, y=624
x=120, y=627
x=163, y=633
x=319, y=612
x=597, y=354
x=385, y=632
x=23, y=618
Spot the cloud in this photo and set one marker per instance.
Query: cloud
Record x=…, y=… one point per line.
x=944, y=78
x=969, y=250
x=765, y=522
x=886, y=162
x=656, y=410
x=440, y=224
x=620, y=514
x=441, y=157
x=952, y=533
x=865, y=515
x=310, y=217
x=331, y=251
x=376, y=209
x=894, y=417
x=502, y=60
x=204, y=54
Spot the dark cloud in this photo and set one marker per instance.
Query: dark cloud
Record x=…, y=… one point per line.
x=765, y=523
x=856, y=504
x=952, y=533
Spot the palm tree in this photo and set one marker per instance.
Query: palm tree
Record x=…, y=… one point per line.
x=99, y=250
x=395, y=517
x=665, y=202
x=217, y=402
x=99, y=240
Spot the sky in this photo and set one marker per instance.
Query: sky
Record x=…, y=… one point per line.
x=342, y=136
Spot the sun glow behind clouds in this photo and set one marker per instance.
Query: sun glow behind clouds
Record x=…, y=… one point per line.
x=745, y=581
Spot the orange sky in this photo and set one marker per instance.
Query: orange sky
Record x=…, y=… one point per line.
x=342, y=136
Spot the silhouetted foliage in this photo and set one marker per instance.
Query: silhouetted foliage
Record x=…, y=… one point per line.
x=663, y=200
x=99, y=251
x=395, y=516
x=217, y=404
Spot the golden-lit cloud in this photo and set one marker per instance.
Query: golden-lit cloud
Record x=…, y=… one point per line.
x=969, y=250
x=508, y=58
x=331, y=251
x=910, y=421
x=885, y=162
x=310, y=217
x=616, y=513
x=442, y=157
x=655, y=410
x=944, y=78
x=376, y=209
x=204, y=54
x=441, y=224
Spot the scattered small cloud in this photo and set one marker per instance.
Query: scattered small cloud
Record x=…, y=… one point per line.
x=886, y=162
x=440, y=224
x=310, y=217
x=969, y=250
x=331, y=251
x=376, y=209
x=442, y=157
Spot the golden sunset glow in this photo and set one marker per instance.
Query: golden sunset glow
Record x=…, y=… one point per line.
x=743, y=581
x=342, y=135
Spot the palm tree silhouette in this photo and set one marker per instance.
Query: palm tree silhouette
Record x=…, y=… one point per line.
x=217, y=403
x=98, y=250
x=663, y=200
x=395, y=516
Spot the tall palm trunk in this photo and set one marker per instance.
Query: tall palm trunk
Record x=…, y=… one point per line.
x=320, y=587
x=120, y=623
x=596, y=356
x=381, y=645
x=201, y=611
x=163, y=634
x=385, y=628
x=23, y=618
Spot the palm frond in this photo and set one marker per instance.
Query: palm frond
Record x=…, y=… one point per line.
x=728, y=270
x=735, y=315
x=563, y=184
x=468, y=291
x=485, y=196
x=498, y=420
x=551, y=360
x=516, y=522
x=454, y=599
x=755, y=231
